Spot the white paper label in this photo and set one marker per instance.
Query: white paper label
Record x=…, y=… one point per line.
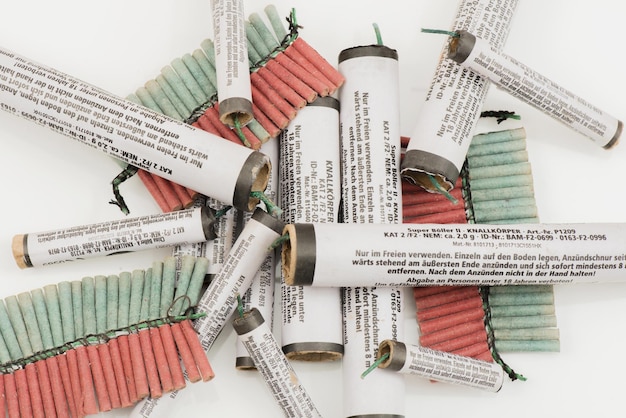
x=231, y=50
x=451, y=368
x=124, y=130
x=446, y=121
x=538, y=91
x=241, y=265
x=370, y=155
x=105, y=238
x=279, y=375
x=310, y=192
x=370, y=140
x=464, y=254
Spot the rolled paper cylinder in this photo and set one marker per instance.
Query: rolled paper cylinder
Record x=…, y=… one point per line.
x=282, y=88
x=371, y=193
x=181, y=90
x=219, y=300
x=180, y=107
x=132, y=234
x=185, y=155
x=23, y=396
x=513, y=322
x=445, y=124
x=322, y=254
x=165, y=375
x=99, y=381
x=231, y=62
x=243, y=261
x=10, y=394
x=36, y=400
x=197, y=351
x=161, y=99
x=310, y=160
x=262, y=289
x=61, y=399
x=529, y=345
x=444, y=297
x=534, y=89
x=171, y=354
x=455, y=337
x=440, y=365
x=119, y=381
x=532, y=298
x=451, y=319
x=448, y=308
x=522, y=334
x=186, y=356
x=497, y=159
x=280, y=377
x=203, y=71
x=522, y=310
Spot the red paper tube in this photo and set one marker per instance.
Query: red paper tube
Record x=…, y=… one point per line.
x=281, y=87
x=109, y=371
x=199, y=356
x=3, y=404
x=453, y=295
x=139, y=369
x=178, y=378
x=423, y=291
x=127, y=366
x=253, y=140
x=268, y=109
x=410, y=198
x=192, y=193
x=210, y=122
x=99, y=383
x=36, y=402
x=74, y=375
x=319, y=62
x=272, y=95
x=456, y=337
x=448, y=308
x=212, y=116
x=451, y=320
x=165, y=376
x=23, y=393
x=153, y=189
x=79, y=370
x=404, y=141
x=302, y=74
x=183, y=195
x=10, y=394
x=291, y=80
x=456, y=216
x=45, y=389
x=300, y=59
x=485, y=356
x=61, y=400
x=117, y=366
x=431, y=208
x=68, y=387
x=265, y=122
x=193, y=374
x=475, y=350
x=150, y=363
x=168, y=193
x=205, y=124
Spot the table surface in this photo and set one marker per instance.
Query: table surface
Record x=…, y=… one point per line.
x=51, y=181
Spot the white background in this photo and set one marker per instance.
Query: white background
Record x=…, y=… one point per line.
x=50, y=181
